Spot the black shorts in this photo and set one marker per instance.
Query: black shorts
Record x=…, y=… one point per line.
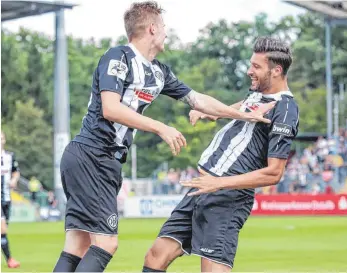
x=91, y=180
x=6, y=211
x=209, y=225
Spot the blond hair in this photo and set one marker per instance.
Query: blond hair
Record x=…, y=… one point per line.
x=139, y=15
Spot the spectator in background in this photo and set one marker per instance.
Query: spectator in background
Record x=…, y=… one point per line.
x=51, y=200
x=328, y=176
x=316, y=189
x=172, y=178
x=34, y=187
x=163, y=180
x=322, y=148
x=303, y=175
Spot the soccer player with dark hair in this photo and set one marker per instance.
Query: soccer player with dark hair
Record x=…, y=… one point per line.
x=242, y=156
x=126, y=81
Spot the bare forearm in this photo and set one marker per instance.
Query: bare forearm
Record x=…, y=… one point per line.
x=235, y=106
x=211, y=106
x=126, y=116
x=260, y=178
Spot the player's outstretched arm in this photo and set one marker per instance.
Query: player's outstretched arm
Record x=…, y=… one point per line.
x=210, y=106
x=115, y=111
x=268, y=176
x=195, y=115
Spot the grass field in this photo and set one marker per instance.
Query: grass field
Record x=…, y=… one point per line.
x=275, y=244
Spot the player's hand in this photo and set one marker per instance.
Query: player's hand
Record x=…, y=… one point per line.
x=204, y=184
x=258, y=115
x=173, y=138
x=194, y=116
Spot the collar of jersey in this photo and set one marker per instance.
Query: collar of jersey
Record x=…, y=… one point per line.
x=138, y=54
x=278, y=96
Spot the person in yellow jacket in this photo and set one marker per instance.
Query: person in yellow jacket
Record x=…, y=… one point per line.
x=34, y=187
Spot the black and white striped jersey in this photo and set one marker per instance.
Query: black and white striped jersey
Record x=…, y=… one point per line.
x=124, y=70
x=241, y=147
x=9, y=165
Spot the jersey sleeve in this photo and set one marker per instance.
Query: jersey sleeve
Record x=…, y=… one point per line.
x=15, y=165
x=112, y=70
x=173, y=87
x=284, y=128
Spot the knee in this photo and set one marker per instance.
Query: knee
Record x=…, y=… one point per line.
x=107, y=243
x=77, y=250
x=156, y=259
x=112, y=245
x=159, y=257
x=77, y=243
x=152, y=254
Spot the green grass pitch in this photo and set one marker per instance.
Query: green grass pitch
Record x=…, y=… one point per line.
x=276, y=244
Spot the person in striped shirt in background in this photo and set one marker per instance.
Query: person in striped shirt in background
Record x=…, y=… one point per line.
x=9, y=179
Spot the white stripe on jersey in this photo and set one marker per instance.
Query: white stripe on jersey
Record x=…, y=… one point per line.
x=215, y=143
x=6, y=174
x=221, y=164
x=127, y=99
x=237, y=145
x=130, y=99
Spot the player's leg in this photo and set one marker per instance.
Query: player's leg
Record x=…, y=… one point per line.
x=4, y=241
x=212, y=266
x=76, y=245
x=174, y=238
x=5, y=247
x=99, y=253
x=217, y=221
x=90, y=180
x=76, y=241
x=7, y=212
x=102, y=209
x=163, y=252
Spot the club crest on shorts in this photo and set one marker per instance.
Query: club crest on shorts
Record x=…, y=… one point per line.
x=112, y=221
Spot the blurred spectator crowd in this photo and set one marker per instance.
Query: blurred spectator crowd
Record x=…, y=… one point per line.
x=320, y=168
x=168, y=182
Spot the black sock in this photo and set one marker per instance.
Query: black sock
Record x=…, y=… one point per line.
x=147, y=269
x=4, y=246
x=67, y=263
x=95, y=260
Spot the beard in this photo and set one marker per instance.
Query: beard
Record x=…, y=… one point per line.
x=263, y=83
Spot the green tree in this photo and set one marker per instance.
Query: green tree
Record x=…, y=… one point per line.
x=30, y=137
x=312, y=108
